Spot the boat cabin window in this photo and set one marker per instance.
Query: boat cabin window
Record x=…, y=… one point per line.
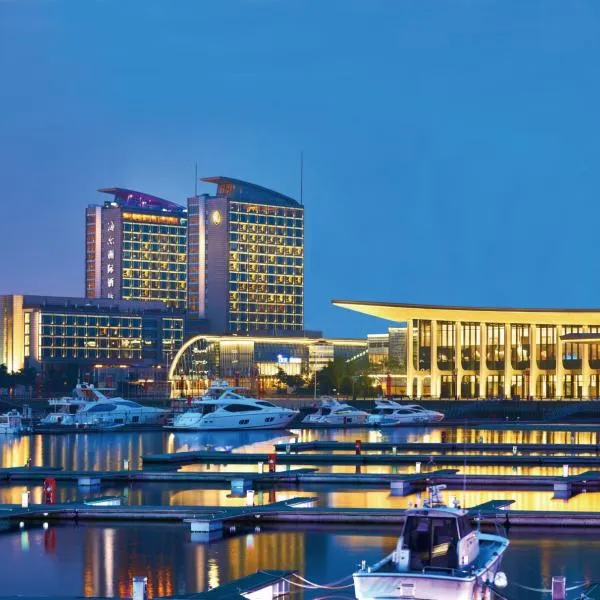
x=101, y=408
x=263, y=403
x=325, y=411
x=433, y=542
x=239, y=408
x=464, y=526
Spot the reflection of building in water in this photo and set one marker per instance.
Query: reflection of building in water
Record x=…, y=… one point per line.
x=277, y=550
x=112, y=557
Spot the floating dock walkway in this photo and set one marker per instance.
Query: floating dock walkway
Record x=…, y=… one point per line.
x=296, y=511
x=436, y=447
x=452, y=460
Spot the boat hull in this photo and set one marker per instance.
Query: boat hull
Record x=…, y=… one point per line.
x=336, y=420
x=398, y=421
x=425, y=586
x=231, y=422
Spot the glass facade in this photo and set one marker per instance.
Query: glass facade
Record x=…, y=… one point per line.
x=497, y=353
x=92, y=337
x=154, y=250
x=254, y=362
x=266, y=267
x=194, y=301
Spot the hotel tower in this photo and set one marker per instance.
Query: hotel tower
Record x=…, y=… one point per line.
x=246, y=259
x=136, y=249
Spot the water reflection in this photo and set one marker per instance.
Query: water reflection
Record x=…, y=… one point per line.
x=107, y=451
x=156, y=494
x=94, y=560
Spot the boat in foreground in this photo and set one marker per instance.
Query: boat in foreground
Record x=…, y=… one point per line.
x=332, y=412
x=437, y=557
x=11, y=423
x=227, y=407
x=388, y=413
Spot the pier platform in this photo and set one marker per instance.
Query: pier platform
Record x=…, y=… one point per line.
x=435, y=447
x=233, y=458
x=294, y=511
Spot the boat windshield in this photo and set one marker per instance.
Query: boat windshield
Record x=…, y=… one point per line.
x=432, y=542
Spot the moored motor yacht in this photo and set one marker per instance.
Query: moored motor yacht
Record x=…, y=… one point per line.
x=332, y=412
x=437, y=557
x=89, y=407
x=227, y=407
x=388, y=413
x=11, y=422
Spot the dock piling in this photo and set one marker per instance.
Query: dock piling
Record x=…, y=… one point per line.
x=88, y=481
x=400, y=487
x=206, y=530
x=241, y=485
x=559, y=588
x=140, y=587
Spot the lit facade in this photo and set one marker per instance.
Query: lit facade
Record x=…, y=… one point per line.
x=136, y=249
x=495, y=352
x=254, y=362
x=46, y=330
x=246, y=259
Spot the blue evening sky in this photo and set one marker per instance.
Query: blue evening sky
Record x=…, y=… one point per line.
x=451, y=147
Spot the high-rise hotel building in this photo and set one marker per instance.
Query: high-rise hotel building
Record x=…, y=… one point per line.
x=246, y=259
x=136, y=249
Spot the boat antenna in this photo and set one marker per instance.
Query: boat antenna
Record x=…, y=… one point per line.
x=196, y=181
x=302, y=177
x=464, y=502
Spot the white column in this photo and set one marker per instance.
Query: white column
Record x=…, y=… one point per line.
x=560, y=369
x=585, y=367
x=435, y=372
x=458, y=357
x=410, y=370
x=508, y=370
x=533, y=367
x=483, y=370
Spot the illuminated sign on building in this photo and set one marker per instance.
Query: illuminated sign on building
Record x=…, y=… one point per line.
x=288, y=360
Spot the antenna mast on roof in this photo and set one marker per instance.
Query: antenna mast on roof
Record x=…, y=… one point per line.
x=301, y=176
x=196, y=181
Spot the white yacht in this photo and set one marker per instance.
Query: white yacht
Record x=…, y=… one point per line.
x=89, y=407
x=388, y=413
x=332, y=412
x=227, y=407
x=11, y=422
x=437, y=557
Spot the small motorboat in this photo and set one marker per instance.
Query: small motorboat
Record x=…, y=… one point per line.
x=11, y=422
x=332, y=412
x=438, y=556
x=388, y=413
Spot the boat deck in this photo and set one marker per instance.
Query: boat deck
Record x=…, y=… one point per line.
x=489, y=547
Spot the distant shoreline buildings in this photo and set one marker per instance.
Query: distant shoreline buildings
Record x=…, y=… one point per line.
x=158, y=273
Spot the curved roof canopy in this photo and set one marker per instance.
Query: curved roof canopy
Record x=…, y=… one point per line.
x=135, y=199
x=540, y=316
x=249, y=192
